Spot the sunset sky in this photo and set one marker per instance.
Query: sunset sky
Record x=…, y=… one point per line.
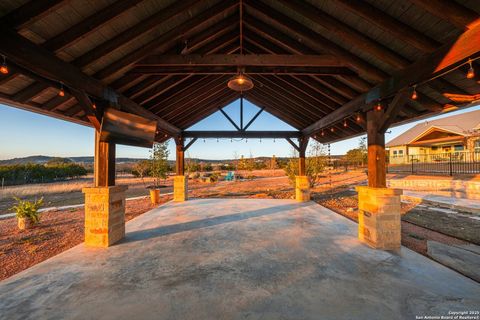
x=24, y=133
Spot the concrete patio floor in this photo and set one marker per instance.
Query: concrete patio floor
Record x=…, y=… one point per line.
x=237, y=259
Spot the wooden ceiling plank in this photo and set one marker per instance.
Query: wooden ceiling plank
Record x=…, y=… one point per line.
x=451, y=11
x=89, y=24
x=345, y=33
x=30, y=92
x=133, y=33
x=30, y=12
x=314, y=40
x=391, y=25
x=198, y=22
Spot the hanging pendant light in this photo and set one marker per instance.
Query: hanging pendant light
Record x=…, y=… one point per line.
x=240, y=82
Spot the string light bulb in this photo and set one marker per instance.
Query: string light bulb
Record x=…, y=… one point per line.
x=61, y=91
x=94, y=106
x=345, y=124
x=470, y=72
x=378, y=107
x=414, y=93
x=332, y=129
x=4, y=67
x=323, y=133
x=358, y=119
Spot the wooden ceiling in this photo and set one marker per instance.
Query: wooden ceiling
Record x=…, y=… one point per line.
x=102, y=48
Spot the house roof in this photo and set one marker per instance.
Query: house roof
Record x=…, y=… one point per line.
x=105, y=43
x=460, y=124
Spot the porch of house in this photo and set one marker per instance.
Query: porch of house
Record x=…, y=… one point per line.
x=237, y=258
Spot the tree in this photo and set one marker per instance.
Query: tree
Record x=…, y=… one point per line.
x=141, y=169
x=359, y=154
x=159, y=162
x=314, y=164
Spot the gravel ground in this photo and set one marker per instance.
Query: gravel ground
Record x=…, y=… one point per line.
x=414, y=236
x=58, y=231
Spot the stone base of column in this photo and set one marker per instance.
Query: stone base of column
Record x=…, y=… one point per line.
x=104, y=215
x=302, y=188
x=379, y=213
x=180, y=188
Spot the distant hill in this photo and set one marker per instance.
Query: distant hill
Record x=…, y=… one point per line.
x=89, y=160
x=44, y=159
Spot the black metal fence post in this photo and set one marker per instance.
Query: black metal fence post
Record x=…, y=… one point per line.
x=451, y=165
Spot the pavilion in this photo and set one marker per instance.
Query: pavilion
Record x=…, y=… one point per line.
x=140, y=71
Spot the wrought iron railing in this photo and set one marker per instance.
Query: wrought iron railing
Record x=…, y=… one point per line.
x=451, y=163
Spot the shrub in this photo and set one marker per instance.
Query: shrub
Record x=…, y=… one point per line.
x=28, y=209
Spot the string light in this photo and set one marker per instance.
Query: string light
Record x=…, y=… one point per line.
x=203, y=140
x=4, y=67
x=273, y=140
x=246, y=140
x=217, y=139
x=61, y=92
x=358, y=117
x=345, y=123
x=94, y=106
x=323, y=133
x=378, y=107
x=332, y=129
x=260, y=140
x=470, y=72
x=231, y=140
x=414, y=93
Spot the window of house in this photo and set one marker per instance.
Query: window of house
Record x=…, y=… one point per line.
x=400, y=152
x=477, y=144
x=434, y=148
x=458, y=147
x=395, y=152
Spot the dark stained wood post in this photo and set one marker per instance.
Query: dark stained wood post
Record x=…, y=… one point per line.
x=104, y=163
x=303, y=141
x=377, y=173
x=180, y=156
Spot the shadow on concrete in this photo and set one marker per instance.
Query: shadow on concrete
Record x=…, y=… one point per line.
x=204, y=223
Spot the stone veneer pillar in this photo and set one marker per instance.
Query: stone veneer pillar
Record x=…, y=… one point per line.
x=379, y=213
x=302, y=188
x=180, y=188
x=104, y=215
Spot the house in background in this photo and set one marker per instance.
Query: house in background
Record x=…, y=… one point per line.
x=434, y=140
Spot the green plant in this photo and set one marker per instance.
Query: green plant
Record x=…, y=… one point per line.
x=158, y=162
x=28, y=209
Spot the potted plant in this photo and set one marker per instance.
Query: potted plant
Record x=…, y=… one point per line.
x=27, y=212
x=158, y=169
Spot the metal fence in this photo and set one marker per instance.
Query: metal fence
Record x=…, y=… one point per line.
x=460, y=162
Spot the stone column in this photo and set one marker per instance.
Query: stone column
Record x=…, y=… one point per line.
x=379, y=207
x=105, y=202
x=104, y=215
x=180, y=181
x=302, y=186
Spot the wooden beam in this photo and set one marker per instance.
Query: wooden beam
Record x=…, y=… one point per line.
x=93, y=115
x=232, y=70
x=180, y=156
x=133, y=33
x=293, y=144
x=390, y=25
x=242, y=134
x=345, y=33
x=313, y=39
x=161, y=43
x=263, y=60
x=42, y=62
x=189, y=144
x=104, y=163
x=377, y=172
x=229, y=119
x=253, y=119
x=30, y=12
x=451, y=11
x=89, y=24
x=30, y=92
x=447, y=56
x=393, y=109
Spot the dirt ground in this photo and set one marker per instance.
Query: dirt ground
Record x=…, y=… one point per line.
x=61, y=230
x=57, y=232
